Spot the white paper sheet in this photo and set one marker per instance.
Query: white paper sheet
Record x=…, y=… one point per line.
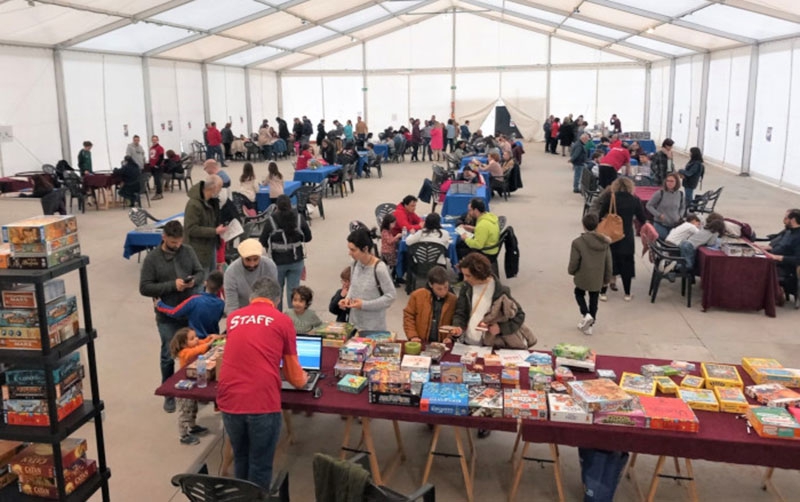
x=459, y=349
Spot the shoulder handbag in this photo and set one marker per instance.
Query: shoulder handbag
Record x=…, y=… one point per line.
x=611, y=226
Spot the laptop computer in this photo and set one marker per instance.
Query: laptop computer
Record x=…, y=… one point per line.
x=309, y=354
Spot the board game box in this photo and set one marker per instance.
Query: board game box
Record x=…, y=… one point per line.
x=7, y=451
x=28, y=318
x=34, y=412
x=485, y=401
x=628, y=418
x=37, y=459
x=669, y=413
x=470, y=378
x=665, y=385
x=420, y=377
x=32, y=337
x=773, y=394
x=509, y=375
x=751, y=363
x=355, y=351
x=389, y=382
x=74, y=476
x=445, y=399
x=600, y=395
x=587, y=364
x=63, y=255
x=335, y=330
x=776, y=423
x=388, y=349
x=788, y=377
x=651, y=370
x=40, y=391
x=638, y=385
x=452, y=372
x=563, y=408
x=699, y=399
x=23, y=296
x=693, y=382
x=721, y=375
x=37, y=376
x=571, y=351
x=39, y=229
x=416, y=363
x=343, y=368
x=378, y=336
x=410, y=397
x=352, y=384
x=5, y=255
x=44, y=248
x=521, y=403
x=380, y=363
x=731, y=400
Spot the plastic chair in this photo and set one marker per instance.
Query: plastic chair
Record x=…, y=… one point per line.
x=422, y=257
x=501, y=184
x=144, y=181
x=75, y=189
x=706, y=202
x=205, y=488
x=504, y=231
x=336, y=180
x=54, y=202
x=382, y=210
x=662, y=255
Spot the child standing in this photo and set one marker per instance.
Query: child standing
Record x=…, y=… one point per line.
x=302, y=316
x=204, y=310
x=185, y=346
x=389, y=243
x=342, y=314
x=590, y=264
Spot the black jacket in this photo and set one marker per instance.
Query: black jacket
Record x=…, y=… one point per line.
x=283, y=130
x=293, y=236
x=629, y=206
x=308, y=128
x=692, y=174
x=320, y=133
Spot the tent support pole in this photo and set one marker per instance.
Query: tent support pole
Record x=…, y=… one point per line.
x=61, y=100
x=701, y=118
x=750, y=116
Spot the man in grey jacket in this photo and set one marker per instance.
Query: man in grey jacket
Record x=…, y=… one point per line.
x=170, y=273
x=240, y=276
x=136, y=152
x=578, y=157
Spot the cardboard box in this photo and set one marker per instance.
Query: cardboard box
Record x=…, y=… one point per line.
x=35, y=411
x=41, y=262
x=416, y=363
x=600, y=395
x=44, y=248
x=666, y=385
x=776, y=423
x=509, y=375
x=751, y=363
x=74, y=476
x=410, y=397
x=37, y=459
x=521, y=403
x=380, y=363
x=355, y=351
x=563, y=408
x=31, y=338
x=24, y=376
x=5, y=255
x=773, y=394
x=378, y=336
x=788, y=377
x=335, y=330
x=627, y=418
x=669, y=413
x=40, y=391
x=638, y=385
x=588, y=364
x=352, y=384
x=8, y=449
x=721, y=375
x=540, y=359
x=27, y=318
x=693, y=382
x=389, y=382
x=731, y=400
x=699, y=399
x=23, y=296
x=485, y=401
x=343, y=368
x=420, y=377
x=445, y=399
x=39, y=229
x=571, y=351
x=452, y=372
x=388, y=349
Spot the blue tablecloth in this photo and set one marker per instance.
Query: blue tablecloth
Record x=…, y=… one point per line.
x=381, y=149
x=262, y=197
x=362, y=161
x=466, y=160
x=402, y=250
x=456, y=204
x=145, y=238
x=317, y=176
x=487, y=176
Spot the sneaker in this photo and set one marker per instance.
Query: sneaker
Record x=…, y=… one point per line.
x=603, y=297
x=670, y=276
x=669, y=267
x=158, y=196
x=613, y=286
x=628, y=298
x=483, y=433
x=189, y=439
x=588, y=331
x=198, y=430
x=586, y=322
x=169, y=404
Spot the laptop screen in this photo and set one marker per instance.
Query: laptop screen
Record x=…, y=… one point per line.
x=309, y=352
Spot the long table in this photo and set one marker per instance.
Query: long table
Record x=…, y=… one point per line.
x=738, y=282
x=456, y=204
x=144, y=238
x=316, y=176
x=483, y=159
x=262, y=196
x=402, y=250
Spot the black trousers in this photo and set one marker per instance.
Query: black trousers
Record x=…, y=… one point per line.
x=227, y=150
x=591, y=309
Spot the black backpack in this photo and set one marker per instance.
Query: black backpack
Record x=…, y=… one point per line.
x=279, y=243
x=512, y=254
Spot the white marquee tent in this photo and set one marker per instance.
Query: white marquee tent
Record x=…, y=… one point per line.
x=723, y=74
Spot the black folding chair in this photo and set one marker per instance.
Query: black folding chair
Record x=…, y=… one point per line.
x=382, y=210
x=665, y=258
x=422, y=257
x=205, y=488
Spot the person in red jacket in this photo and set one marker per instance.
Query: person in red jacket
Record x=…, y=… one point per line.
x=214, y=148
x=156, y=165
x=406, y=217
x=554, y=127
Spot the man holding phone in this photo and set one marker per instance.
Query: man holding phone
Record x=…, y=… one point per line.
x=170, y=273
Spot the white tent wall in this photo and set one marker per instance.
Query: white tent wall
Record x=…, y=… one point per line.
x=176, y=98
x=682, y=104
x=791, y=169
x=226, y=86
x=729, y=74
x=575, y=92
x=104, y=94
x=563, y=52
x=303, y=96
x=343, y=99
x=697, y=91
x=387, y=101
x=771, y=116
x=476, y=96
x=737, y=107
x=621, y=91
x=263, y=98
x=524, y=94
x=429, y=95
x=28, y=104
x=659, y=100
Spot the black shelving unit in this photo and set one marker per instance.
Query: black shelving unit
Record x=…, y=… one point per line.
x=48, y=359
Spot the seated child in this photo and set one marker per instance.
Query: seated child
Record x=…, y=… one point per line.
x=204, y=310
x=302, y=316
x=708, y=236
x=185, y=346
x=685, y=230
x=342, y=314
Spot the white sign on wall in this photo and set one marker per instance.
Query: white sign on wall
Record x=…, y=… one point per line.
x=6, y=134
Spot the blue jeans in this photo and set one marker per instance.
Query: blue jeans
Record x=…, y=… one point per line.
x=688, y=253
x=577, y=171
x=289, y=276
x=215, y=152
x=253, y=438
x=662, y=230
x=166, y=330
x=689, y=193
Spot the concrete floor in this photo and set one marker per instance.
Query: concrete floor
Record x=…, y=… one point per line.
x=141, y=440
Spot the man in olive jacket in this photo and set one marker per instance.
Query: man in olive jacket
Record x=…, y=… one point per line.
x=590, y=264
x=201, y=219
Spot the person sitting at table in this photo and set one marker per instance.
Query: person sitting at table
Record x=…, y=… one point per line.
x=328, y=152
x=685, y=230
x=130, y=180
x=636, y=150
x=406, y=217
x=248, y=186
x=468, y=175
x=304, y=319
x=432, y=232
x=460, y=151
x=342, y=313
x=173, y=168
x=372, y=159
x=274, y=181
x=667, y=206
x=305, y=155
x=784, y=248
x=707, y=236
x=485, y=233
x=494, y=167
x=429, y=307
x=389, y=243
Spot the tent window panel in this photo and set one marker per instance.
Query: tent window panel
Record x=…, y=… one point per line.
x=682, y=105
x=430, y=95
x=301, y=96
x=737, y=109
x=343, y=100
x=621, y=91
x=717, y=108
x=772, y=104
x=387, y=101
x=791, y=171
x=573, y=91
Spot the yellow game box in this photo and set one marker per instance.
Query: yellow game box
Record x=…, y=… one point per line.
x=731, y=400
x=693, y=382
x=699, y=399
x=665, y=385
x=721, y=375
x=636, y=384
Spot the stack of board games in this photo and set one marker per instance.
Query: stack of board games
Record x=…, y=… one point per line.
x=393, y=387
x=352, y=356
x=42, y=241
x=485, y=401
x=575, y=356
x=445, y=399
x=776, y=423
x=773, y=395
x=19, y=317
x=633, y=417
x=35, y=468
x=770, y=371
x=563, y=408
x=600, y=395
x=25, y=393
x=522, y=403
x=7, y=451
x=333, y=333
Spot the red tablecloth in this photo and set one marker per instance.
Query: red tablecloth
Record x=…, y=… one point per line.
x=736, y=282
x=95, y=181
x=342, y=403
x=14, y=184
x=645, y=194
x=722, y=437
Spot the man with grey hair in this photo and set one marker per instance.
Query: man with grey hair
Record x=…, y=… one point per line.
x=578, y=157
x=136, y=152
x=249, y=391
x=244, y=272
x=202, y=220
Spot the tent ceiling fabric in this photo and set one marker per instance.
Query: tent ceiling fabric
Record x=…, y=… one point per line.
x=276, y=34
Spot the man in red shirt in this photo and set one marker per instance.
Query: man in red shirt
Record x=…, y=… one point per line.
x=611, y=163
x=249, y=391
x=214, y=148
x=156, y=164
x=406, y=217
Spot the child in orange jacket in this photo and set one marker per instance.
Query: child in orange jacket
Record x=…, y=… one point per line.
x=186, y=347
